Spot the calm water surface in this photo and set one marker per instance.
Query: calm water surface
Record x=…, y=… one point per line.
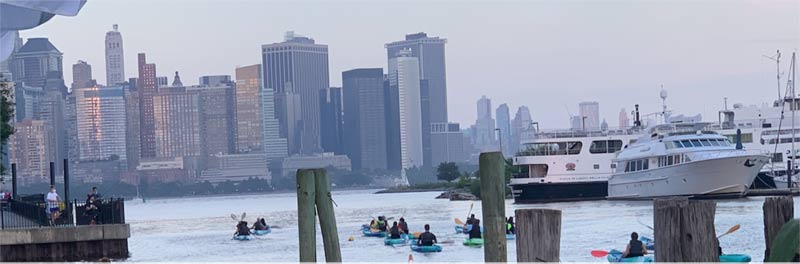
x=200, y=229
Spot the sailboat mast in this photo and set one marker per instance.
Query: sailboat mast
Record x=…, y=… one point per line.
x=792, y=67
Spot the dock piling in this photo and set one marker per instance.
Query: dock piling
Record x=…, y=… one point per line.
x=684, y=230
x=538, y=235
x=493, y=196
x=306, y=218
x=777, y=211
x=327, y=217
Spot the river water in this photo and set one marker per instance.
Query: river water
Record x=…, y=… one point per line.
x=200, y=229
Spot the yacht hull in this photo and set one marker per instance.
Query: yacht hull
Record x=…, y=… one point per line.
x=559, y=192
x=726, y=175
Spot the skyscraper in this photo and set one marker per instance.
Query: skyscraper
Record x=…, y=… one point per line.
x=34, y=60
x=404, y=77
x=484, y=126
x=624, y=120
x=424, y=102
x=52, y=110
x=212, y=80
x=101, y=131
x=132, y=130
x=504, y=124
x=365, y=120
x=521, y=123
x=249, y=136
x=391, y=100
x=217, y=118
x=29, y=148
x=276, y=147
x=590, y=113
x=330, y=104
x=296, y=70
x=82, y=75
x=430, y=53
x=147, y=88
x=115, y=58
x=177, y=127
x=447, y=143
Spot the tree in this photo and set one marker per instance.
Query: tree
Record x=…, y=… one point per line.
x=6, y=113
x=447, y=171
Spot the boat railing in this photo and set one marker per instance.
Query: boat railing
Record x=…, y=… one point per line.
x=578, y=133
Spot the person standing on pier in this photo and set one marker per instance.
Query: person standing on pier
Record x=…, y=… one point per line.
x=635, y=247
x=52, y=200
x=427, y=238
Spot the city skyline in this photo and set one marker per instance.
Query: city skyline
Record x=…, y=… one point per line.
x=726, y=63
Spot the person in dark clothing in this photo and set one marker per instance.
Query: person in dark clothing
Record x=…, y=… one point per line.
x=260, y=224
x=381, y=223
x=91, y=210
x=510, y=228
x=471, y=219
x=403, y=226
x=394, y=232
x=475, y=232
x=427, y=238
x=242, y=229
x=635, y=247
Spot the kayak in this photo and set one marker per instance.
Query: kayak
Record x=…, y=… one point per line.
x=243, y=237
x=434, y=248
x=511, y=236
x=460, y=229
x=616, y=256
x=474, y=242
x=394, y=241
x=261, y=232
x=413, y=235
x=649, y=243
x=734, y=258
x=372, y=233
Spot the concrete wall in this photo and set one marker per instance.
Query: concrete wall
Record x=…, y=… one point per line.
x=65, y=243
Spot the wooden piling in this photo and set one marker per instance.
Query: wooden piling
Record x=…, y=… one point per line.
x=306, y=218
x=684, y=230
x=777, y=211
x=327, y=217
x=493, y=195
x=538, y=235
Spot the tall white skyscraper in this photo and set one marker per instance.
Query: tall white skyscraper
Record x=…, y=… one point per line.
x=590, y=114
x=404, y=75
x=115, y=60
x=484, y=126
x=624, y=120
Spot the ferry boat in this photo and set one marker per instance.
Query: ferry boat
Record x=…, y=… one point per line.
x=683, y=160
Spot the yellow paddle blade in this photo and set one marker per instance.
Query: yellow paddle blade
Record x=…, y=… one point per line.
x=733, y=229
x=416, y=234
x=458, y=221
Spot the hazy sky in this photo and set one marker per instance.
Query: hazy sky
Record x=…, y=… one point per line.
x=548, y=55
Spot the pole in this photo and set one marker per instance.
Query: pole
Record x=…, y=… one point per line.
x=684, y=230
x=327, y=217
x=306, y=220
x=14, y=180
x=538, y=235
x=777, y=211
x=493, y=194
x=66, y=190
x=52, y=174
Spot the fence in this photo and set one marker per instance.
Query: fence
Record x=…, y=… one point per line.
x=28, y=214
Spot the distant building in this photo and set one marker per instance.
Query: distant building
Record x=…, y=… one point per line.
x=504, y=124
x=484, y=126
x=447, y=143
x=101, y=120
x=176, y=113
x=29, y=148
x=430, y=54
x=521, y=123
x=162, y=81
x=591, y=112
x=82, y=75
x=249, y=133
x=98, y=171
x=147, y=88
x=624, y=120
x=31, y=64
x=217, y=107
x=26, y=101
x=365, y=120
x=425, y=111
x=404, y=77
x=276, y=147
x=330, y=105
x=164, y=170
x=324, y=160
x=391, y=102
x=115, y=58
x=214, y=80
x=576, y=123
x=296, y=70
x=52, y=110
x=132, y=128
x=236, y=167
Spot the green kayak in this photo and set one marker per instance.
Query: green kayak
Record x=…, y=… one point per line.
x=734, y=258
x=474, y=242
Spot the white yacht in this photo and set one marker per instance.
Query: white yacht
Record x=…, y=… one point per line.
x=683, y=160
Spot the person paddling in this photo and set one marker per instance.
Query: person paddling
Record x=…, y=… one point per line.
x=635, y=247
x=510, y=228
x=403, y=226
x=260, y=224
x=241, y=229
x=381, y=223
x=475, y=232
x=427, y=238
x=394, y=232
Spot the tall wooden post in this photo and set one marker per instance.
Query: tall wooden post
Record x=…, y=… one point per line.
x=327, y=217
x=538, y=235
x=306, y=218
x=684, y=230
x=493, y=196
x=777, y=211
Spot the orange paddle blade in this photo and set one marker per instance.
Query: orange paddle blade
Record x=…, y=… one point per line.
x=599, y=253
x=458, y=221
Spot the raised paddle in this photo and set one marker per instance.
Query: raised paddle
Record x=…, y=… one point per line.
x=731, y=230
x=234, y=217
x=244, y=214
x=640, y=222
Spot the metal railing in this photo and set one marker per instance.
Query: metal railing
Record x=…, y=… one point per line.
x=17, y=214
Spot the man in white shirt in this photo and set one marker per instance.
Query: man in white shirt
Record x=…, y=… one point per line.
x=52, y=200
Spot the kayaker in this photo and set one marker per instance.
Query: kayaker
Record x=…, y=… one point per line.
x=471, y=219
x=241, y=229
x=635, y=247
x=260, y=224
x=427, y=238
x=475, y=232
x=394, y=232
x=510, y=228
x=381, y=223
x=403, y=226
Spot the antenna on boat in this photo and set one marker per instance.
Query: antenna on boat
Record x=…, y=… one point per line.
x=663, y=95
x=636, y=121
x=777, y=60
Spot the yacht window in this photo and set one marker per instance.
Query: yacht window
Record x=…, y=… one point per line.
x=705, y=142
x=599, y=146
x=669, y=160
x=714, y=142
x=614, y=145
x=669, y=145
x=551, y=148
x=597, y=166
x=677, y=159
x=686, y=143
x=646, y=164
x=696, y=143
x=613, y=165
x=639, y=165
x=777, y=157
x=677, y=144
x=686, y=158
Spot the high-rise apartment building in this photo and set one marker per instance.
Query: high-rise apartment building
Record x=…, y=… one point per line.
x=147, y=88
x=484, y=126
x=296, y=70
x=249, y=133
x=33, y=61
x=330, y=104
x=132, y=130
x=115, y=57
x=101, y=131
x=504, y=124
x=624, y=120
x=447, y=143
x=404, y=76
x=521, y=123
x=28, y=148
x=590, y=115
x=213, y=80
x=391, y=100
x=217, y=118
x=52, y=110
x=365, y=118
x=82, y=75
x=431, y=56
x=177, y=125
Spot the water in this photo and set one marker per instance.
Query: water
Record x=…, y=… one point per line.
x=200, y=229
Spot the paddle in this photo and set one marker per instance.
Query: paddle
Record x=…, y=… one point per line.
x=234, y=217
x=731, y=230
x=599, y=253
x=243, y=215
x=470, y=210
x=447, y=242
x=459, y=222
x=640, y=222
